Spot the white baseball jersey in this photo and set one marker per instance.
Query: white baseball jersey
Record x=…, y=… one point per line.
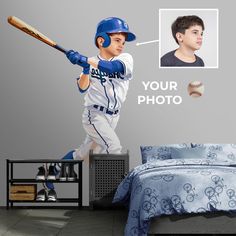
x=109, y=90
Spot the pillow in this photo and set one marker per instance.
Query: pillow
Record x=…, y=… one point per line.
x=220, y=152
x=152, y=153
x=188, y=153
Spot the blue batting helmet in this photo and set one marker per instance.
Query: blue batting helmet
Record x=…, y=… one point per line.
x=112, y=25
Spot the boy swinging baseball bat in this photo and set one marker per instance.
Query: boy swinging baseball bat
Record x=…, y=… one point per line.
x=104, y=81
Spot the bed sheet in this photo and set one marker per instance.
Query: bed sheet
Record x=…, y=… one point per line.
x=167, y=187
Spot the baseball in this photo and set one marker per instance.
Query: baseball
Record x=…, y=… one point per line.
x=196, y=89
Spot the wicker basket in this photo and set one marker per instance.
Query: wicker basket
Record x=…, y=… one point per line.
x=23, y=192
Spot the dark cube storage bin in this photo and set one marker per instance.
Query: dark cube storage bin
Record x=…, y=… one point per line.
x=106, y=171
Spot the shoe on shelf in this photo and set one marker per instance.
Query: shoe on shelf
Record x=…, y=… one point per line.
x=41, y=195
x=71, y=173
x=52, y=195
x=63, y=174
x=41, y=173
x=52, y=173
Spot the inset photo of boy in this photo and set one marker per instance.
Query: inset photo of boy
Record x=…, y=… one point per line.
x=188, y=38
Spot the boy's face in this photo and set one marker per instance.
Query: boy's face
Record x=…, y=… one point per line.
x=117, y=44
x=192, y=38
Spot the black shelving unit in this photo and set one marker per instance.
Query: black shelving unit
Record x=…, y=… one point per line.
x=10, y=180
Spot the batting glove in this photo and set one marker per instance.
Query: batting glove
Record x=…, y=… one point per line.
x=76, y=58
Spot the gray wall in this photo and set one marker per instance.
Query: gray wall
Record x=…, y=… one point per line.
x=41, y=108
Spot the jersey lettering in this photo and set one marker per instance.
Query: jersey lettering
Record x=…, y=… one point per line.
x=100, y=75
x=109, y=89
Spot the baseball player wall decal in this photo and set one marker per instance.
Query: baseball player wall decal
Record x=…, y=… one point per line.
x=104, y=81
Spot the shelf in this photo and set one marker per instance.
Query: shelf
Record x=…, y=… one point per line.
x=44, y=161
x=59, y=200
x=41, y=181
x=10, y=180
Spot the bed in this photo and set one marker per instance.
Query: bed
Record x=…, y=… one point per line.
x=179, y=180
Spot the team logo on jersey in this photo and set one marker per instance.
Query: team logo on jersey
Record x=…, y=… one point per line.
x=103, y=76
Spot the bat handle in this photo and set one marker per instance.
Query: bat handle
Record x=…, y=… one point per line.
x=60, y=48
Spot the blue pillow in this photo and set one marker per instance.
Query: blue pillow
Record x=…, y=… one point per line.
x=188, y=153
x=152, y=153
x=220, y=152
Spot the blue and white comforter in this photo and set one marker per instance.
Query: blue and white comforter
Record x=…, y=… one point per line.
x=175, y=187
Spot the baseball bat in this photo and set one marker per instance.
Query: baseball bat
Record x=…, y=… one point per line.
x=28, y=29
